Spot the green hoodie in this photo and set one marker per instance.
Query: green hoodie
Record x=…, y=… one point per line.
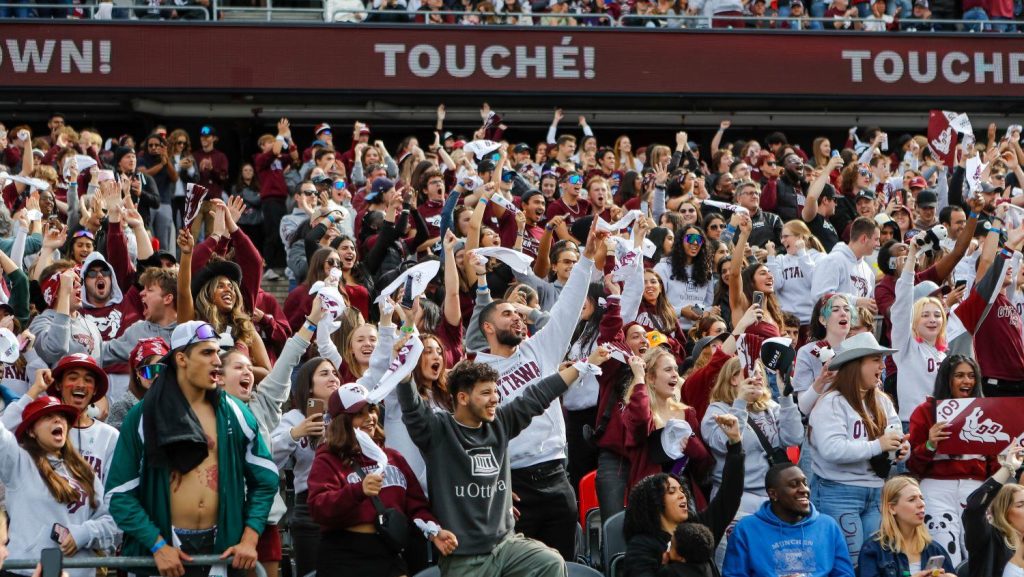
x=140, y=497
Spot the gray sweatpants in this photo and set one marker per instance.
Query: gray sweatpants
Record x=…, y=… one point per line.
x=516, y=556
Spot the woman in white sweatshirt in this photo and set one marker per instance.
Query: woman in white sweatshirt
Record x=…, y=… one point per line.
x=689, y=283
x=794, y=270
x=51, y=490
x=856, y=435
x=919, y=332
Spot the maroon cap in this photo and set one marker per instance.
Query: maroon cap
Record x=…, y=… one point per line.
x=39, y=408
x=80, y=361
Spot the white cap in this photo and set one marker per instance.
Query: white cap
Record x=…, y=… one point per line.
x=186, y=332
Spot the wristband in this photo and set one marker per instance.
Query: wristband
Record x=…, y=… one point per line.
x=972, y=215
x=520, y=233
x=928, y=445
x=158, y=546
x=408, y=328
x=483, y=199
x=998, y=231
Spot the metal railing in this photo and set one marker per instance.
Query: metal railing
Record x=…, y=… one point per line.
x=90, y=10
x=125, y=563
x=272, y=13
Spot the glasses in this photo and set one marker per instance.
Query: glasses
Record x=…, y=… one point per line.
x=180, y=143
x=575, y=179
x=716, y=226
x=98, y=272
x=506, y=176
x=694, y=238
x=688, y=210
x=308, y=191
x=863, y=172
x=334, y=263
x=339, y=184
x=204, y=332
x=435, y=182
x=154, y=145
x=150, y=372
x=326, y=131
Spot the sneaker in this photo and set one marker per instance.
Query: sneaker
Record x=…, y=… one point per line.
x=271, y=275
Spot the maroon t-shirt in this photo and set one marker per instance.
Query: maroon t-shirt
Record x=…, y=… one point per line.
x=558, y=207
x=431, y=213
x=531, y=240
x=998, y=345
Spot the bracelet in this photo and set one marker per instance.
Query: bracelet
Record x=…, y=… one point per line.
x=996, y=230
x=311, y=327
x=928, y=445
x=483, y=199
x=520, y=233
x=972, y=215
x=158, y=546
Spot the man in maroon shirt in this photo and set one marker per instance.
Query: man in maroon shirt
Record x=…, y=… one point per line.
x=360, y=135
x=322, y=132
x=430, y=208
x=569, y=203
x=213, y=171
x=533, y=204
x=270, y=163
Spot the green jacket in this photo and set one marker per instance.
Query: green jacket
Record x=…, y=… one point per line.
x=140, y=497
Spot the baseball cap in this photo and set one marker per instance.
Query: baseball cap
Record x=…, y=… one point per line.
x=796, y=2
x=321, y=180
x=865, y=193
x=192, y=332
x=364, y=130
x=350, y=398
x=656, y=338
x=319, y=143
x=208, y=130
x=921, y=3
x=987, y=188
x=323, y=126
x=447, y=134
x=521, y=147
x=701, y=344
x=918, y=182
x=485, y=165
x=927, y=199
x=379, y=187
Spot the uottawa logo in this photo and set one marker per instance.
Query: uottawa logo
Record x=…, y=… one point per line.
x=983, y=431
x=483, y=462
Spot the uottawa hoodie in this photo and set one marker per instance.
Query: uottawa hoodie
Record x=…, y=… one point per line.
x=762, y=545
x=840, y=271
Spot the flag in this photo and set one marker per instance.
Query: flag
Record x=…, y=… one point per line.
x=941, y=136
x=195, y=194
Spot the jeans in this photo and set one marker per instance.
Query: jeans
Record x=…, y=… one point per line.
x=864, y=9
x=818, y=8
x=582, y=455
x=22, y=11
x=977, y=13
x=1002, y=24
x=163, y=227
x=305, y=536
x=857, y=510
x=547, y=506
x=516, y=556
x=612, y=481
x=908, y=8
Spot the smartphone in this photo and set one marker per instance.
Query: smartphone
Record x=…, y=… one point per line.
x=407, y=295
x=934, y=563
x=52, y=561
x=960, y=284
x=759, y=298
x=58, y=532
x=315, y=407
x=835, y=153
x=893, y=428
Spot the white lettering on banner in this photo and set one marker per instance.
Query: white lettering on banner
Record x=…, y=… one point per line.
x=37, y=56
x=890, y=66
x=564, y=61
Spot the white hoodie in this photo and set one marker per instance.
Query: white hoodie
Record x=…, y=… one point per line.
x=842, y=272
x=536, y=358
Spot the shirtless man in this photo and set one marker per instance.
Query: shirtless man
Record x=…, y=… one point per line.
x=203, y=490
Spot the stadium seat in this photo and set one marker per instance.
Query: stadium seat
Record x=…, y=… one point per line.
x=793, y=453
x=588, y=495
x=578, y=570
x=613, y=541
x=429, y=572
x=616, y=566
x=962, y=570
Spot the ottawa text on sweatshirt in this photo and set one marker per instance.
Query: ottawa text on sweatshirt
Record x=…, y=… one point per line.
x=916, y=360
x=841, y=444
x=793, y=275
x=537, y=357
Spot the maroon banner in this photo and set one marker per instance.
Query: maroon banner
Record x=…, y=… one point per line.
x=981, y=426
x=83, y=55
x=941, y=138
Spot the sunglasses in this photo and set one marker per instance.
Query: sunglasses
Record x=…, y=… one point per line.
x=339, y=184
x=863, y=172
x=998, y=176
x=84, y=233
x=205, y=332
x=155, y=145
x=575, y=179
x=98, y=272
x=180, y=143
x=308, y=191
x=150, y=372
x=326, y=131
x=506, y=176
x=334, y=263
x=716, y=226
x=435, y=182
x=694, y=238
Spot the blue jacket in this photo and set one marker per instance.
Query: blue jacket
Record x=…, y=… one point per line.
x=762, y=545
x=875, y=561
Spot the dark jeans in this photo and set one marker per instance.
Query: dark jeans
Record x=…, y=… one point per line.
x=273, y=251
x=1002, y=388
x=612, y=482
x=582, y=455
x=547, y=506
x=305, y=537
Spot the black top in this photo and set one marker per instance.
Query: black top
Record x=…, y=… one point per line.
x=986, y=549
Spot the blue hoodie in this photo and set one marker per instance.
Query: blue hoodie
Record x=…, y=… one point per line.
x=763, y=545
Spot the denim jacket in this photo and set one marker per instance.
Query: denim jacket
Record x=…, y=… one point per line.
x=876, y=561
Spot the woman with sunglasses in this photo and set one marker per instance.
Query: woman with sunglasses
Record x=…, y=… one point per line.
x=144, y=366
x=248, y=188
x=744, y=282
x=714, y=224
x=299, y=301
x=689, y=284
x=180, y=154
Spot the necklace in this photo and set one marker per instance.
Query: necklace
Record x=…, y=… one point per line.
x=572, y=211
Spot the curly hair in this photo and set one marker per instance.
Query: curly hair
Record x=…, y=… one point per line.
x=647, y=504
x=701, y=262
x=242, y=329
x=467, y=374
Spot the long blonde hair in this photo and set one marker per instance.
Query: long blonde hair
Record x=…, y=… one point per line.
x=919, y=304
x=800, y=229
x=659, y=408
x=997, y=512
x=889, y=534
x=725, y=392
x=242, y=329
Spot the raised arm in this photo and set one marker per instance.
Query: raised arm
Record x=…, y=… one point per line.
x=737, y=300
x=186, y=307
x=452, y=307
x=814, y=190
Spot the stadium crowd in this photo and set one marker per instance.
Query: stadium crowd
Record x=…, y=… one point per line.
x=739, y=354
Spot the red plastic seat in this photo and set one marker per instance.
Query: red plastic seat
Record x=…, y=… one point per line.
x=588, y=495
